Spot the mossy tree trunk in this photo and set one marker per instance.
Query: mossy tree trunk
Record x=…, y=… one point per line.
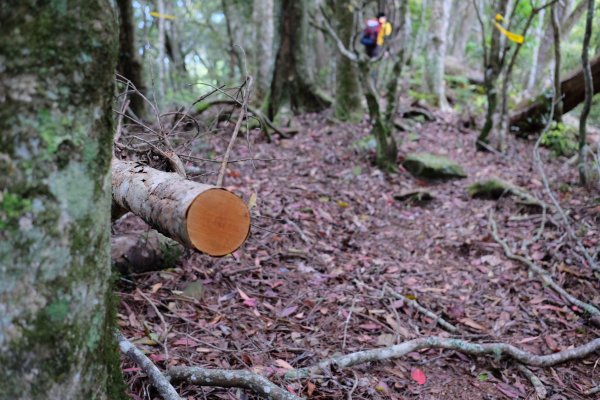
x=129, y=63
x=56, y=84
x=292, y=80
x=347, y=86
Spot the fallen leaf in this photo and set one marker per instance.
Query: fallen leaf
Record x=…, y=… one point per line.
x=418, y=376
x=283, y=364
x=472, y=324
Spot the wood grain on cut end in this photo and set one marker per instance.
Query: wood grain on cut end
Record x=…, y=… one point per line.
x=218, y=222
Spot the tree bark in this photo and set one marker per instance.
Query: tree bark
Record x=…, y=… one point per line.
x=129, y=62
x=436, y=52
x=530, y=117
x=203, y=217
x=161, y=53
x=56, y=86
x=264, y=31
x=588, y=92
x=557, y=62
x=463, y=26
x=348, y=105
x=292, y=82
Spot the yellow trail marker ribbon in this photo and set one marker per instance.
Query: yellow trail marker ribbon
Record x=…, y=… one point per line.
x=164, y=16
x=513, y=37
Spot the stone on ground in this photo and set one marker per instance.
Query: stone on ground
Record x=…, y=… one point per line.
x=433, y=167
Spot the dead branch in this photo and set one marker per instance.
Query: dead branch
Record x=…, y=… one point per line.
x=414, y=304
x=543, y=274
x=238, y=125
x=262, y=118
x=537, y=384
x=157, y=379
x=230, y=379
x=493, y=349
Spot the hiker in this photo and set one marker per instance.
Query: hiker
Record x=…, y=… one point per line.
x=374, y=34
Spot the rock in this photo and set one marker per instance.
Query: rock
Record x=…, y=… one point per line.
x=417, y=196
x=432, y=167
x=139, y=252
x=491, y=189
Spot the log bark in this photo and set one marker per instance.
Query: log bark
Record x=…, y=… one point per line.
x=531, y=117
x=204, y=217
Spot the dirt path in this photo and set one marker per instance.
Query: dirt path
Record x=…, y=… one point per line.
x=328, y=236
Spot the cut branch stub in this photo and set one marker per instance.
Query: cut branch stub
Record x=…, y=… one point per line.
x=204, y=217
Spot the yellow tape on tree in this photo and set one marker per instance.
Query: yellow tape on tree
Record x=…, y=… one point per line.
x=163, y=16
x=513, y=37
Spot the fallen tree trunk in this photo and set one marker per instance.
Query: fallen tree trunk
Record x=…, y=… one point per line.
x=204, y=217
x=531, y=116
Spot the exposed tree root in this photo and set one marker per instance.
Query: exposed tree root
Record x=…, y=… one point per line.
x=156, y=377
x=229, y=379
x=543, y=274
x=495, y=349
x=539, y=387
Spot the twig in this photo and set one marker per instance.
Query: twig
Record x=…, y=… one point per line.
x=157, y=379
x=539, y=387
x=162, y=319
x=238, y=125
x=592, y=391
x=346, y=323
x=494, y=349
x=544, y=275
x=414, y=304
x=230, y=378
x=120, y=121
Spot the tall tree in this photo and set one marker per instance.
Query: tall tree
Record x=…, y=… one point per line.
x=436, y=51
x=264, y=33
x=56, y=86
x=557, y=62
x=589, y=92
x=347, y=86
x=292, y=80
x=462, y=25
x=129, y=63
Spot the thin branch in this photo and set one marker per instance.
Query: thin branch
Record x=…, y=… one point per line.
x=238, y=125
x=157, y=379
x=492, y=349
x=230, y=378
x=414, y=304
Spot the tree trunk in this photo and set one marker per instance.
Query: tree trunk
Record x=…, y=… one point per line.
x=161, y=53
x=56, y=86
x=347, y=86
x=292, y=82
x=204, y=217
x=436, y=52
x=264, y=31
x=557, y=62
x=588, y=92
x=537, y=42
x=129, y=63
x=567, y=24
x=531, y=117
x=463, y=26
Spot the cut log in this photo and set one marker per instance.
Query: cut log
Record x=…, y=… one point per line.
x=531, y=117
x=204, y=217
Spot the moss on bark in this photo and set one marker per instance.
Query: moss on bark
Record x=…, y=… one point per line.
x=56, y=83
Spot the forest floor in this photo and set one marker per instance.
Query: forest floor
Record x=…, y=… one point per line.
x=328, y=236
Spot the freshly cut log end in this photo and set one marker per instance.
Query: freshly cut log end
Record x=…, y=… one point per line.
x=218, y=222
x=204, y=217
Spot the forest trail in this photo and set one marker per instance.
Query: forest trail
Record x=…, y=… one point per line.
x=328, y=236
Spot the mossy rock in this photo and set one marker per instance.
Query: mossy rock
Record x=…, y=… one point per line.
x=432, y=167
x=491, y=189
x=416, y=196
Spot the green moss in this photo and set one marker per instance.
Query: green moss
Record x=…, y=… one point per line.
x=432, y=167
x=490, y=189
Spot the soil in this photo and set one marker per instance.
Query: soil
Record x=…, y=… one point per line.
x=328, y=237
